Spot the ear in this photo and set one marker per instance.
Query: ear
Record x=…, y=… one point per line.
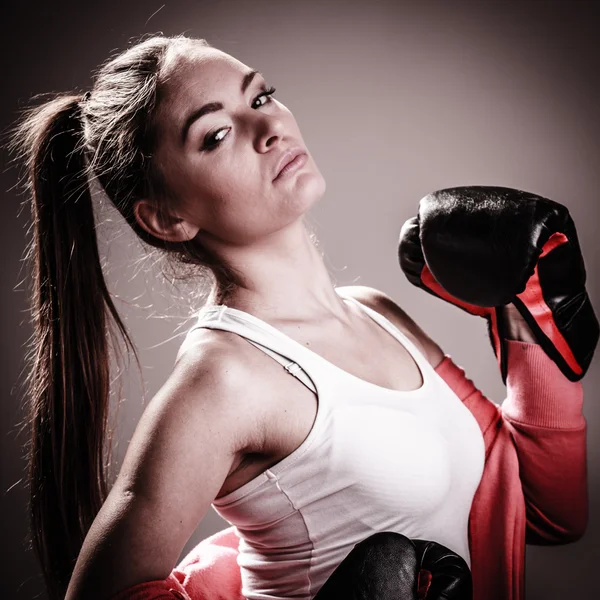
x=163, y=226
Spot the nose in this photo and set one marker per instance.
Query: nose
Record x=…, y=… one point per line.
x=269, y=132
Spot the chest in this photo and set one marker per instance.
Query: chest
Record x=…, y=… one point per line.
x=408, y=458
x=370, y=353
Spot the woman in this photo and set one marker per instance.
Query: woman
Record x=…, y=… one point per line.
x=195, y=152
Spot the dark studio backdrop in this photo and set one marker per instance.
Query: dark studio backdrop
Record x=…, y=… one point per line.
x=394, y=99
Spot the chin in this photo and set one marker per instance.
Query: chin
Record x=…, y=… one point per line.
x=315, y=189
x=310, y=195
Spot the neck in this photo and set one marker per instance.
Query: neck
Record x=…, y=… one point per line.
x=282, y=277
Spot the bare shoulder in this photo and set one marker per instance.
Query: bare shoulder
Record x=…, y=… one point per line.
x=206, y=394
x=220, y=366
x=383, y=304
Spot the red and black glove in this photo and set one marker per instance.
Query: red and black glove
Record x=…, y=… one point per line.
x=482, y=247
x=391, y=566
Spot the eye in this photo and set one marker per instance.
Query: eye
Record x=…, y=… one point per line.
x=267, y=95
x=212, y=140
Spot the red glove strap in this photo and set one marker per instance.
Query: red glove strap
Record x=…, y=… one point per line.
x=423, y=583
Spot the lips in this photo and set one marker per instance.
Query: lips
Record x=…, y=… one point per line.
x=287, y=157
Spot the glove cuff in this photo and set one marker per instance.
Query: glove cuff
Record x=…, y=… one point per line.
x=539, y=393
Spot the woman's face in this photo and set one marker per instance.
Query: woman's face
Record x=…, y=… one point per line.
x=222, y=165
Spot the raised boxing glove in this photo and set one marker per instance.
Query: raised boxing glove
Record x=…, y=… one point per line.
x=482, y=247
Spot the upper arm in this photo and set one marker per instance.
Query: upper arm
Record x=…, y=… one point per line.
x=383, y=304
x=177, y=461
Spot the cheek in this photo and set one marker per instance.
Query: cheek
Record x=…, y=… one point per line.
x=238, y=172
x=230, y=194
x=232, y=181
x=210, y=180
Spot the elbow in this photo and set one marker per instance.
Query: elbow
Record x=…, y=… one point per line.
x=576, y=529
x=571, y=528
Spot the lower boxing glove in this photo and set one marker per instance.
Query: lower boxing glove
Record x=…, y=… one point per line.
x=391, y=566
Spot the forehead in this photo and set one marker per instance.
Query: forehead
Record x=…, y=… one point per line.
x=198, y=75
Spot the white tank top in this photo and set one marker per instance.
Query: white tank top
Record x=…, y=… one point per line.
x=376, y=459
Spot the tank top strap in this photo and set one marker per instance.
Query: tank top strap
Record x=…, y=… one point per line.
x=298, y=361
x=291, y=367
x=392, y=329
x=310, y=368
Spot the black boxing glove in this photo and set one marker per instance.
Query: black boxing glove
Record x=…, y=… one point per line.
x=482, y=247
x=391, y=566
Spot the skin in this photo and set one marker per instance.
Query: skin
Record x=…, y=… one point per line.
x=227, y=199
x=517, y=328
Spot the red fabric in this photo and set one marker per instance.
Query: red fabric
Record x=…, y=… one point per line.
x=423, y=583
x=534, y=485
x=533, y=488
x=209, y=572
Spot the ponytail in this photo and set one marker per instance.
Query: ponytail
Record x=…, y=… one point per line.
x=68, y=356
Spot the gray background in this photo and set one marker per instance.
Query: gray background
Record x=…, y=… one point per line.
x=394, y=100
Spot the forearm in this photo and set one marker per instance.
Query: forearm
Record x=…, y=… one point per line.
x=516, y=326
x=543, y=411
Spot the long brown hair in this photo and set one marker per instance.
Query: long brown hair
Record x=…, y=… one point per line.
x=107, y=134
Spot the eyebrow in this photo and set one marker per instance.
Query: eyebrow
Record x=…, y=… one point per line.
x=213, y=106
